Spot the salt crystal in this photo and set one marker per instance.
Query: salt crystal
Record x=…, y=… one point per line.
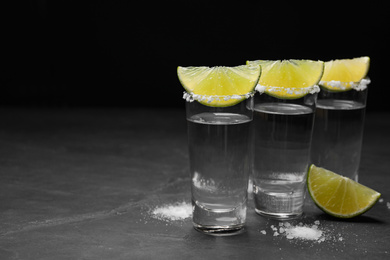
x=177, y=211
x=260, y=89
x=362, y=84
x=317, y=222
x=388, y=205
x=380, y=200
x=315, y=89
x=276, y=234
x=263, y=232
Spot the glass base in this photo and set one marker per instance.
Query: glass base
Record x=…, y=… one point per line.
x=220, y=230
x=219, y=221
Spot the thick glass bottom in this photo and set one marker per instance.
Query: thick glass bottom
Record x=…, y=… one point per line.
x=279, y=205
x=281, y=216
x=220, y=230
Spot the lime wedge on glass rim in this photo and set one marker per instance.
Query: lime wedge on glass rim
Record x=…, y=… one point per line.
x=289, y=79
x=219, y=86
x=337, y=195
x=345, y=74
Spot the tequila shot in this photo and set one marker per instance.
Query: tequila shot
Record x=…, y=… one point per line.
x=282, y=141
x=338, y=130
x=220, y=159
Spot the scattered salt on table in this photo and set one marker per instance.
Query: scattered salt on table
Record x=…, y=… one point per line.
x=306, y=233
x=300, y=231
x=177, y=211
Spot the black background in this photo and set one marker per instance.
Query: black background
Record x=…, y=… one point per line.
x=125, y=53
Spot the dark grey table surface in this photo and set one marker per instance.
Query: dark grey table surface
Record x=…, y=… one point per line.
x=81, y=184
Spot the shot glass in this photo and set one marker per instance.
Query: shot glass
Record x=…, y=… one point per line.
x=282, y=141
x=338, y=129
x=220, y=160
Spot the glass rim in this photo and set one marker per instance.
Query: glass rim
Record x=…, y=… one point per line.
x=298, y=91
x=190, y=97
x=340, y=85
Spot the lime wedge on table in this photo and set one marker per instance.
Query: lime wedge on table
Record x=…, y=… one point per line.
x=337, y=195
x=219, y=86
x=289, y=79
x=342, y=75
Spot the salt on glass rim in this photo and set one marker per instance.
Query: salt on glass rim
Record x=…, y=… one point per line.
x=358, y=86
x=298, y=91
x=190, y=97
